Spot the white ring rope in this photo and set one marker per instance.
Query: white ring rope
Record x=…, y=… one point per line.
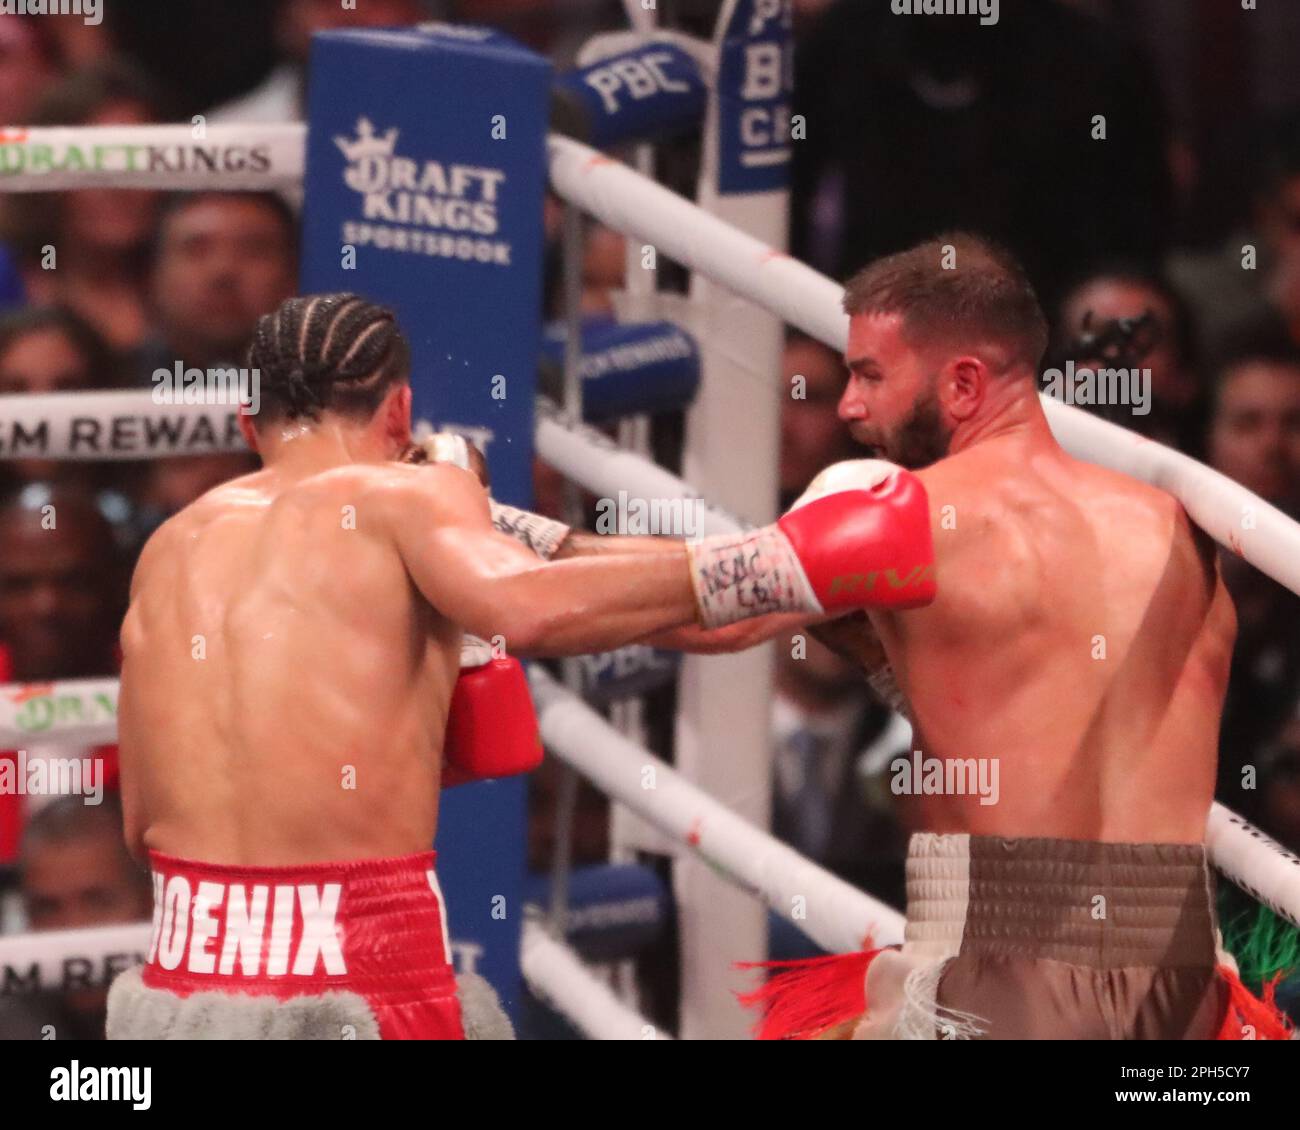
x=71, y=711
x=587, y=457
x=633, y=204
x=169, y=157
x=835, y=915
x=558, y=976
x=51, y=958
x=1260, y=866
x=112, y=425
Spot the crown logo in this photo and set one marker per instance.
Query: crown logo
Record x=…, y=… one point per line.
x=367, y=143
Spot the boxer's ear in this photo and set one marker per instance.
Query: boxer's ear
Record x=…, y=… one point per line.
x=248, y=429
x=396, y=410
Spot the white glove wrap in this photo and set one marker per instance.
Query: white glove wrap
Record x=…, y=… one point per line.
x=542, y=535
x=737, y=576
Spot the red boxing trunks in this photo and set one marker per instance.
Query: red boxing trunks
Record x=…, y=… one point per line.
x=353, y=950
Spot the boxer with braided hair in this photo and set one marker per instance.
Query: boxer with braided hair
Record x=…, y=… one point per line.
x=286, y=714
x=334, y=351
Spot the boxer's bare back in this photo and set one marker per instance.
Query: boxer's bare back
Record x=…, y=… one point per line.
x=293, y=639
x=1081, y=635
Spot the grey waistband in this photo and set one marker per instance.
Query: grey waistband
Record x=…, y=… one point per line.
x=1096, y=904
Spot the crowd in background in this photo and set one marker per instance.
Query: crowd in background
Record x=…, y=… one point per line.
x=1187, y=209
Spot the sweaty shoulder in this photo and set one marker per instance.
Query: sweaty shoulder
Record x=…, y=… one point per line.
x=989, y=476
x=395, y=496
x=189, y=523
x=1048, y=507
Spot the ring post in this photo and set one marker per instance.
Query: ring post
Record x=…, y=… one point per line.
x=723, y=728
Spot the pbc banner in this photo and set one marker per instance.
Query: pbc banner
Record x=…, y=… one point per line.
x=426, y=159
x=755, y=84
x=652, y=92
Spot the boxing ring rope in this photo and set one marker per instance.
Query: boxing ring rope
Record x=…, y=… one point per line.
x=587, y=457
x=74, y=711
x=834, y=914
x=182, y=158
x=557, y=975
x=45, y=957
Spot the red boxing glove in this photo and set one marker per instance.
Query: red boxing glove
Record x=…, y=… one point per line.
x=858, y=537
x=491, y=725
x=861, y=532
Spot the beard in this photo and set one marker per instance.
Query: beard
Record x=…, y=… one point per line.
x=921, y=438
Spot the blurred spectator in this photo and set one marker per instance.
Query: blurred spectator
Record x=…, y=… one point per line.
x=812, y=437
x=1278, y=813
x=45, y=350
x=604, y=263
x=823, y=717
x=280, y=97
x=1254, y=433
x=1255, y=439
x=88, y=249
x=74, y=872
x=604, y=268
x=1230, y=295
x=61, y=585
x=925, y=122
x=557, y=28
x=589, y=828
x=807, y=10
x=221, y=261
x=1178, y=408
x=83, y=44
x=30, y=60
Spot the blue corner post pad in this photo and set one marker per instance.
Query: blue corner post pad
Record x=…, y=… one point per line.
x=426, y=167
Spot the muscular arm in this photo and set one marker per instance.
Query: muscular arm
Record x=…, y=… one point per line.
x=690, y=637
x=578, y=543
x=492, y=585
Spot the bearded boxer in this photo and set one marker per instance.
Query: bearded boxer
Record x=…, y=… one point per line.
x=1080, y=641
x=293, y=651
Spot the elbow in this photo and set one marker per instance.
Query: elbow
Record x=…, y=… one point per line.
x=522, y=617
x=522, y=632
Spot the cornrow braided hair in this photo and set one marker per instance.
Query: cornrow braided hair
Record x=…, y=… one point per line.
x=328, y=352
